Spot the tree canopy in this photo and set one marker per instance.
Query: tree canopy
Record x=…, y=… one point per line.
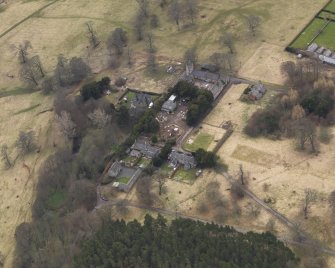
x=183, y=243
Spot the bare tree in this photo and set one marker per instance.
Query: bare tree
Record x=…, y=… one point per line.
x=25, y=142
x=139, y=24
x=78, y=69
x=36, y=63
x=66, y=125
x=22, y=50
x=242, y=177
x=175, y=12
x=151, y=63
x=5, y=157
x=129, y=57
x=224, y=61
x=236, y=191
x=191, y=9
x=150, y=43
x=92, y=36
x=254, y=210
x=331, y=200
x=253, y=22
x=99, y=118
x=117, y=40
x=28, y=74
x=228, y=41
x=144, y=7
x=190, y=56
x=161, y=180
x=310, y=197
x=305, y=131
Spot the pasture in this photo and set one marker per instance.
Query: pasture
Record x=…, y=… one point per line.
x=58, y=27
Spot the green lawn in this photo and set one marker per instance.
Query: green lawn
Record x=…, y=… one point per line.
x=306, y=36
x=202, y=140
x=123, y=180
x=130, y=160
x=166, y=169
x=144, y=162
x=327, y=38
x=327, y=15
x=185, y=175
x=56, y=200
x=330, y=6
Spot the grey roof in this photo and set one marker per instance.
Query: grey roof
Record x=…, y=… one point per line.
x=182, y=158
x=206, y=76
x=312, y=47
x=169, y=106
x=327, y=59
x=142, y=98
x=327, y=53
x=255, y=94
x=115, y=169
x=209, y=67
x=145, y=148
x=320, y=50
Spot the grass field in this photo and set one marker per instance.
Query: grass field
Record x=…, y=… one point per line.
x=330, y=6
x=201, y=141
x=185, y=175
x=308, y=34
x=312, y=31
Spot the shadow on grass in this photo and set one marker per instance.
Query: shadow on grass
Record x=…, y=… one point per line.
x=17, y=91
x=27, y=109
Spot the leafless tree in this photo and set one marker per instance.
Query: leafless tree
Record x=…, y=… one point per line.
x=78, y=69
x=5, y=157
x=129, y=57
x=154, y=21
x=253, y=22
x=62, y=72
x=236, y=191
x=151, y=63
x=175, y=12
x=150, y=43
x=82, y=193
x=254, y=210
x=270, y=226
x=190, y=56
x=28, y=74
x=242, y=176
x=139, y=24
x=224, y=61
x=163, y=3
x=144, y=7
x=161, y=180
x=37, y=64
x=305, y=131
x=92, y=36
x=310, y=197
x=202, y=207
x=228, y=41
x=22, y=50
x=66, y=125
x=26, y=142
x=331, y=200
x=117, y=40
x=191, y=9
x=99, y=118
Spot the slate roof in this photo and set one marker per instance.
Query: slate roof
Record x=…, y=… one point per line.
x=115, y=169
x=185, y=159
x=145, y=148
x=205, y=76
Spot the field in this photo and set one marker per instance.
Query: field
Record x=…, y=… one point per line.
x=57, y=27
x=319, y=31
x=206, y=137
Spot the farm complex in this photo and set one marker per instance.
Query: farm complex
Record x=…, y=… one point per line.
x=187, y=111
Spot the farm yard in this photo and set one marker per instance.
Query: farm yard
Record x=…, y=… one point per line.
x=58, y=27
